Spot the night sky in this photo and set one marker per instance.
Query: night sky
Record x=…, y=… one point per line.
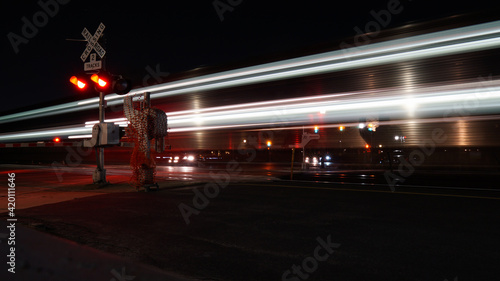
x=145, y=37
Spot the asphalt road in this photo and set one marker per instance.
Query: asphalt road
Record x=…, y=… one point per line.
x=226, y=229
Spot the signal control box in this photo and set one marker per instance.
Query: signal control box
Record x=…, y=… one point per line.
x=104, y=134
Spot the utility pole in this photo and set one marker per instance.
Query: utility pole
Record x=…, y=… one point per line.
x=99, y=176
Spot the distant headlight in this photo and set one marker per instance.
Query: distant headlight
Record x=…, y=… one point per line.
x=315, y=160
x=307, y=159
x=190, y=158
x=328, y=158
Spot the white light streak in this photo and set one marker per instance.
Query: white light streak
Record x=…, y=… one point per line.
x=429, y=102
x=44, y=134
x=80, y=137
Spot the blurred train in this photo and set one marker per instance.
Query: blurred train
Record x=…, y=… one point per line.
x=426, y=93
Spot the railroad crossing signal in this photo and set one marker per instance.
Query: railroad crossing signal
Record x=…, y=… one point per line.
x=104, y=81
x=92, y=44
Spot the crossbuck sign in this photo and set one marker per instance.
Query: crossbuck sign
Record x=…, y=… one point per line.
x=93, y=45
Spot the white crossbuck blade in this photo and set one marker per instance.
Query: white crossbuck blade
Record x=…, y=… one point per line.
x=92, y=42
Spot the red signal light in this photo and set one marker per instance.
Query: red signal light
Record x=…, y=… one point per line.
x=57, y=139
x=106, y=83
x=80, y=84
x=99, y=80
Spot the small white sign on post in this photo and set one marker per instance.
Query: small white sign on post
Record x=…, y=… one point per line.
x=93, y=65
